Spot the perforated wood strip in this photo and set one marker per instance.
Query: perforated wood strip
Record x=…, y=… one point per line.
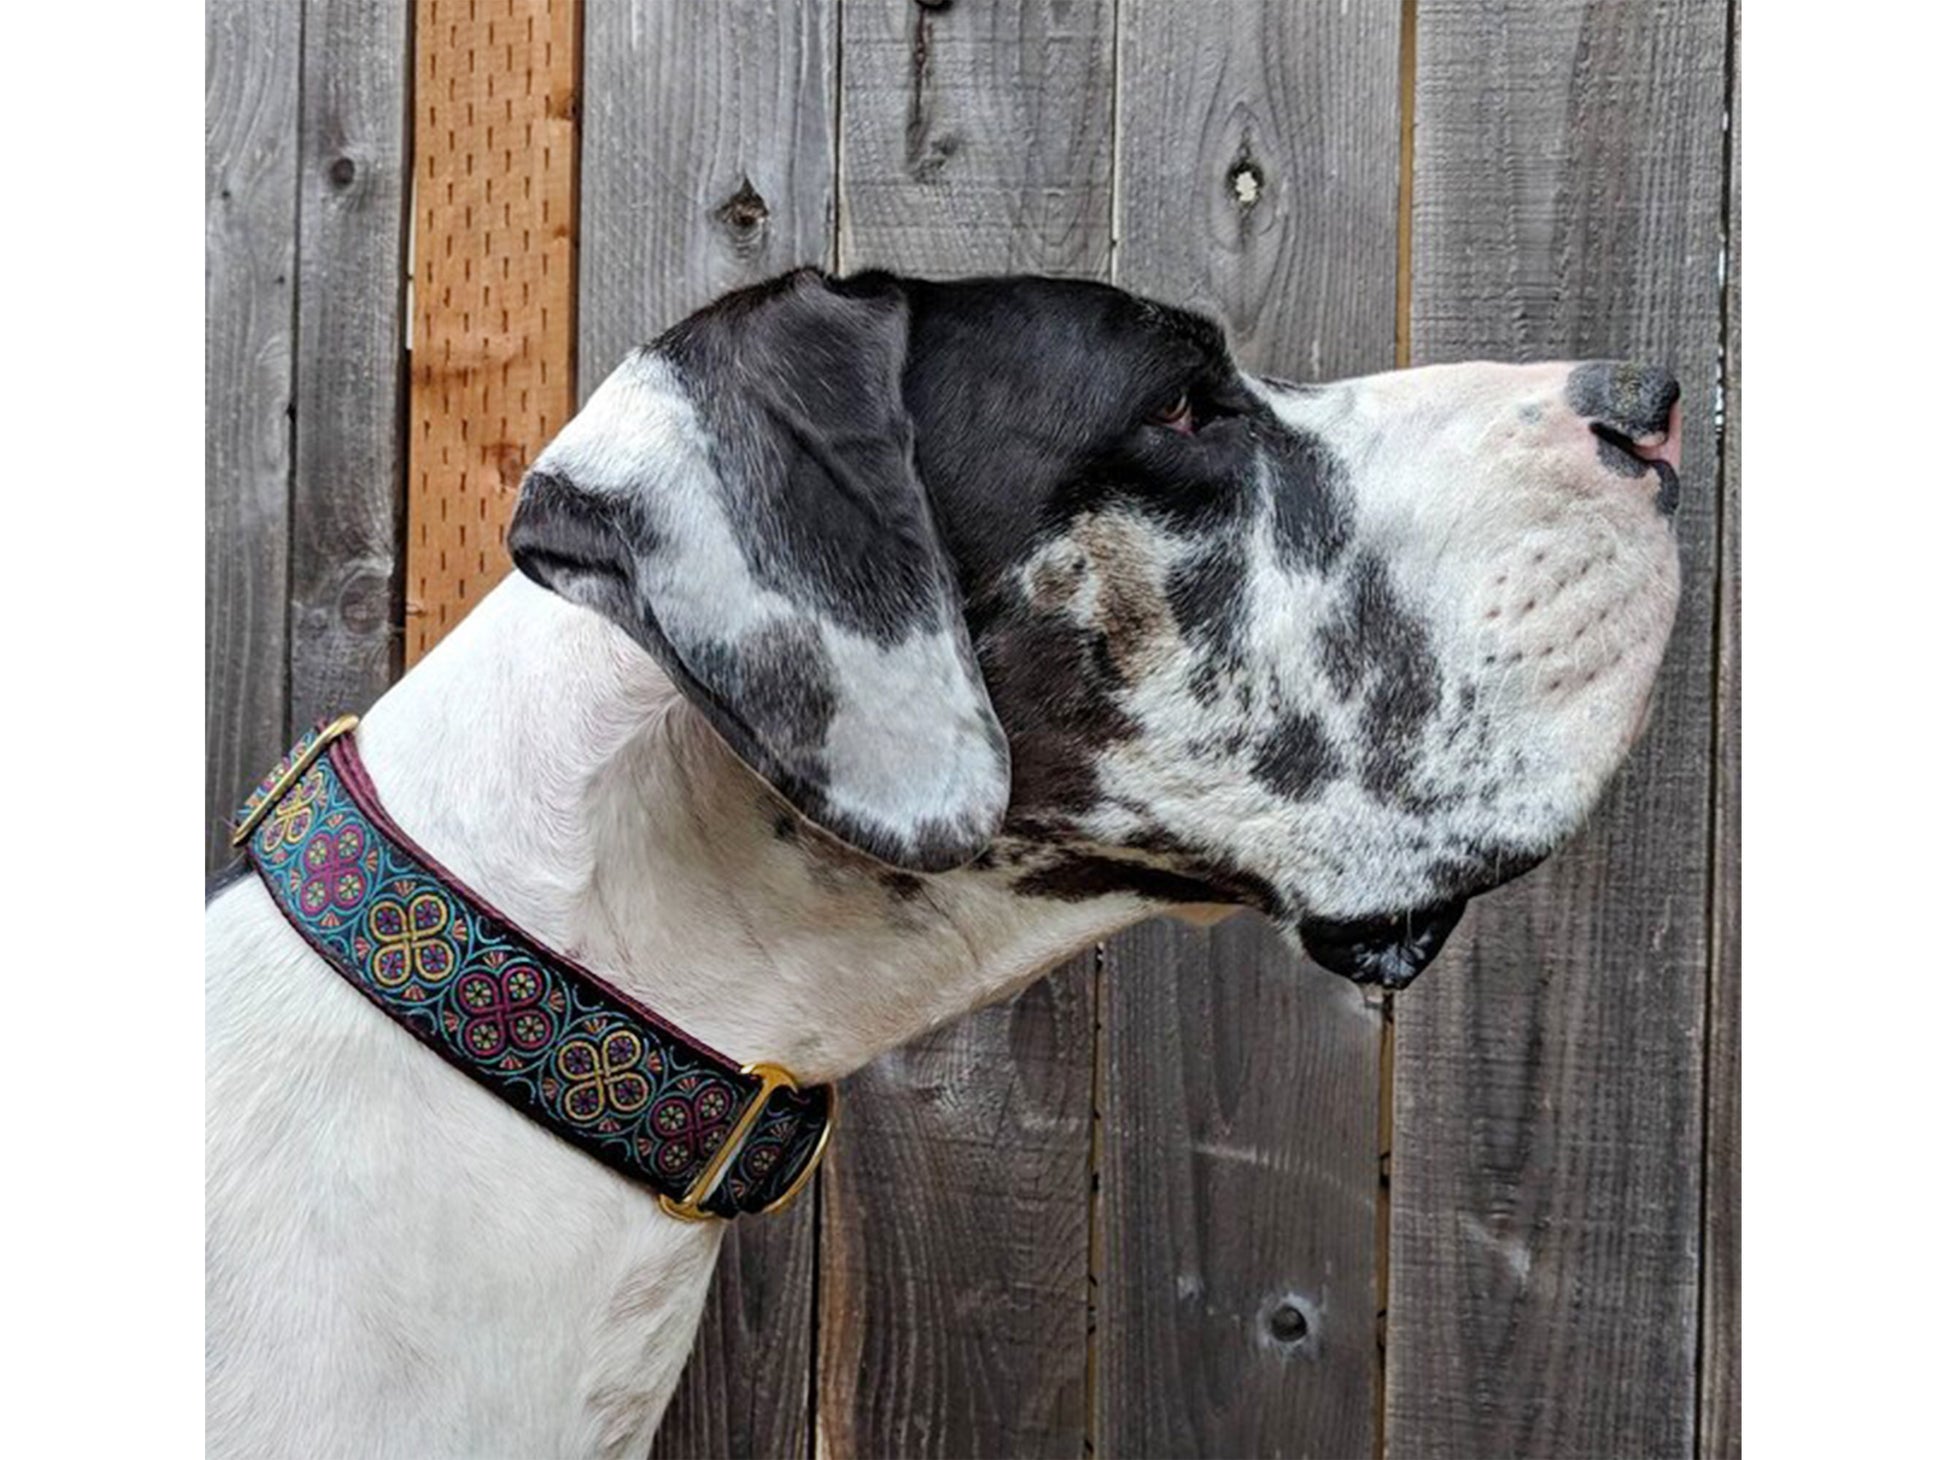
x=493, y=285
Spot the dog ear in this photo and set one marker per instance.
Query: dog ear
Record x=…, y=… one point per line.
x=1388, y=951
x=741, y=498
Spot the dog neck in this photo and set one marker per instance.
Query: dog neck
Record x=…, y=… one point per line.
x=544, y=758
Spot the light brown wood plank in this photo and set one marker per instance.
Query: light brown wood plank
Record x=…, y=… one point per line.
x=350, y=469
x=494, y=144
x=252, y=62
x=707, y=157
x=1720, y=1430
x=954, y=1293
x=1545, y=1180
x=1239, y=1303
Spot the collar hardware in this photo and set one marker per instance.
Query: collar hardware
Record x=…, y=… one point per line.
x=711, y=1137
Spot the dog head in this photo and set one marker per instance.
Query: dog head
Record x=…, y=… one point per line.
x=1026, y=573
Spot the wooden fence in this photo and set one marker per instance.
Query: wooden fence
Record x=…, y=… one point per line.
x=1184, y=1197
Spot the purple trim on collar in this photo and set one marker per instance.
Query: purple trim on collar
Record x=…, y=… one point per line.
x=556, y=1041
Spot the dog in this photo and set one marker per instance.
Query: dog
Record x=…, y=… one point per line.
x=875, y=644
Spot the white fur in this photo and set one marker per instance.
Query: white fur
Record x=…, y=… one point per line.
x=399, y=1263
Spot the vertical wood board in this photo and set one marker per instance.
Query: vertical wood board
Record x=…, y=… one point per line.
x=493, y=286
x=953, y=1300
x=1258, y=183
x=707, y=152
x=954, y=1292
x=1720, y=1429
x=252, y=63
x=1567, y=195
x=347, y=493
x=977, y=138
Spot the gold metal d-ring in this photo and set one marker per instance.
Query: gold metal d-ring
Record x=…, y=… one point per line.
x=279, y=788
x=796, y=1188
x=772, y=1078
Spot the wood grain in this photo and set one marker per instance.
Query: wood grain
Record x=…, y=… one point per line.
x=1720, y=1427
x=1567, y=199
x=493, y=286
x=977, y=138
x=1239, y=1171
x=347, y=493
x=746, y=1390
x=1239, y=1304
x=709, y=147
x=707, y=157
x=252, y=61
x=954, y=1293
x=954, y=1300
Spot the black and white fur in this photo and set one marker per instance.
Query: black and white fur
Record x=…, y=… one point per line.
x=980, y=619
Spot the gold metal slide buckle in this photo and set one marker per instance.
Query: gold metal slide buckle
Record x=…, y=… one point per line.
x=773, y=1078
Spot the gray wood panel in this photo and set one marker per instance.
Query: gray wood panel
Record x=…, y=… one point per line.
x=347, y=494
x=1239, y=1170
x=707, y=155
x=1546, y=1199
x=954, y=1293
x=977, y=137
x=251, y=66
x=1241, y=1150
x=954, y=1298
x=1720, y=1430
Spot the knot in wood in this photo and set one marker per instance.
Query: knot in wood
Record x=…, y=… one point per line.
x=1247, y=182
x=745, y=210
x=1288, y=1324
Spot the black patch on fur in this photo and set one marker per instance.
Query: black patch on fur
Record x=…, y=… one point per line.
x=1081, y=877
x=1297, y=757
x=1207, y=595
x=1478, y=869
x=1313, y=519
x=1371, y=644
x=797, y=382
x=1056, y=690
x=781, y=678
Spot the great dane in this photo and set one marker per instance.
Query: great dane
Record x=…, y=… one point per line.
x=875, y=644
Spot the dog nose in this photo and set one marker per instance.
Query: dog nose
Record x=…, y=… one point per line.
x=1633, y=413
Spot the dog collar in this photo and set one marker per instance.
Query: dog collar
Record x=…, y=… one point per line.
x=712, y=1138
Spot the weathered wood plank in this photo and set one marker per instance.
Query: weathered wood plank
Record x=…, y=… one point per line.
x=251, y=60
x=1238, y=1311
x=349, y=483
x=708, y=149
x=1720, y=1430
x=747, y=1388
x=1239, y=1173
x=494, y=146
x=954, y=1293
x=1545, y=1236
x=978, y=137
x=953, y=1308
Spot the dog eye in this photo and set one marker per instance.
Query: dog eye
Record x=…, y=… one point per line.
x=1179, y=417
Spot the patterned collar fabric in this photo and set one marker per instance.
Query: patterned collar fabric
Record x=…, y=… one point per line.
x=538, y=1030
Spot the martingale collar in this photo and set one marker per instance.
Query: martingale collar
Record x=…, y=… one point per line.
x=712, y=1138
